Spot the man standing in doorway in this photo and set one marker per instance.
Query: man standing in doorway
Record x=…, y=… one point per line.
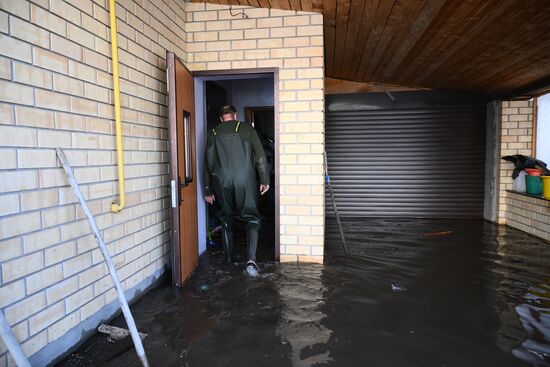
x=233, y=155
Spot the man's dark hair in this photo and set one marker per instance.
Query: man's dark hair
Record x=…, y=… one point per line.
x=227, y=109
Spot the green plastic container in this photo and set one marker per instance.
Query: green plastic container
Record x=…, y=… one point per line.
x=533, y=185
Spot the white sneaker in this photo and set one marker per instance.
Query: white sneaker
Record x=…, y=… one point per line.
x=252, y=269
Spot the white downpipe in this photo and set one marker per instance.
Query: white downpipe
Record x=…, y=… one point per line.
x=12, y=344
x=107, y=257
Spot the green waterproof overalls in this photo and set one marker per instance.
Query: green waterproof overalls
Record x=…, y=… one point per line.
x=230, y=161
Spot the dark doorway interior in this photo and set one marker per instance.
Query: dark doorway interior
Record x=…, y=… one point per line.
x=253, y=99
x=216, y=97
x=262, y=118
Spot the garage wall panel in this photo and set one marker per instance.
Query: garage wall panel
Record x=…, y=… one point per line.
x=420, y=154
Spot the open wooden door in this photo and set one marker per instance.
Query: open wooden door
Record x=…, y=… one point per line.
x=181, y=118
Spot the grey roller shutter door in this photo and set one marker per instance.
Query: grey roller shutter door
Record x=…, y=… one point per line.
x=415, y=156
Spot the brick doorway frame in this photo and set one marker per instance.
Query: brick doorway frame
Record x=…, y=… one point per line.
x=234, y=74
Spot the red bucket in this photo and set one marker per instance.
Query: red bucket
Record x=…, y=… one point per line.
x=533, y=171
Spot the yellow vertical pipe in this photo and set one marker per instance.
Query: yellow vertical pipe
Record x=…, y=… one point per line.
x=117, y=206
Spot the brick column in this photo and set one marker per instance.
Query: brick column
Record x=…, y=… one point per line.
x=516, y=138
x=292, y=42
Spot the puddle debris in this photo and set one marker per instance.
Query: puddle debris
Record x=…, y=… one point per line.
x=437, y=234
x=397, y=288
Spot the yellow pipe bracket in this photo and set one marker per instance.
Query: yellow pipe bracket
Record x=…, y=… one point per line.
x=117, y=206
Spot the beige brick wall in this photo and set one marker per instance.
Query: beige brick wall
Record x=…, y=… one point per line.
x=528, y=214
x=531, y=215
x=56, y=90
x=292, y=42
x=516, y=138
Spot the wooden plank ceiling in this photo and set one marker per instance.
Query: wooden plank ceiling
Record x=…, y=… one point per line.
x=497, y=47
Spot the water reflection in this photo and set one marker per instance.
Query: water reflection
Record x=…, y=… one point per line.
x=301, y=323
x=474, y=297
x=521, y=262
x=479, y=295
x=536, y=322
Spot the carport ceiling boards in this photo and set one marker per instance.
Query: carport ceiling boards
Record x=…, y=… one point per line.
x=498, y=47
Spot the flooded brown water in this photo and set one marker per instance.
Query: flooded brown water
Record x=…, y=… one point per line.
x=412, y=293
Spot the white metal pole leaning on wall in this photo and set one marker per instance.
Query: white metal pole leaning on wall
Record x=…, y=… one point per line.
x=327, y=177
x=112, y=270
x=12, y=344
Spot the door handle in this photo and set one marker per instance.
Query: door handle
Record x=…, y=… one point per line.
x=173, y=192
x=180, y=185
